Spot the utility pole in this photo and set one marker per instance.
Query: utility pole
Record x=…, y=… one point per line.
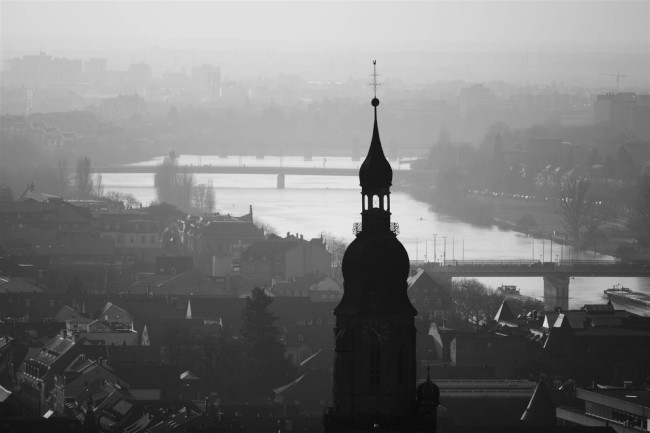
x=435, y=257
x=444, y=253
x=426, y=250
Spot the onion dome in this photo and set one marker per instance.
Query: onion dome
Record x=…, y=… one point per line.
x=375, y=171
x=375, y=270
x=428, y=392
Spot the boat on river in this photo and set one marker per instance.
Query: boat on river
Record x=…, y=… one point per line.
x=627, y=299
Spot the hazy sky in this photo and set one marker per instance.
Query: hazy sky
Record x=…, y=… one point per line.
x=253, y=38
x=501, y=25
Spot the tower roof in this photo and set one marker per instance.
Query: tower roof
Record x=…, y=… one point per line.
x=375, y=172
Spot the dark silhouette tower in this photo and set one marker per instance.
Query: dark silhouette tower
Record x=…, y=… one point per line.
x=374, y=366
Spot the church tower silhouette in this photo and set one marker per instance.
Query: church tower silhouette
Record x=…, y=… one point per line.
x=374, y=364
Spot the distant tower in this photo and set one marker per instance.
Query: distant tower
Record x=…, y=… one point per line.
x=374, y=366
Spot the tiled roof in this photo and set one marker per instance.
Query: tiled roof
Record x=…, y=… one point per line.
x=272, y=246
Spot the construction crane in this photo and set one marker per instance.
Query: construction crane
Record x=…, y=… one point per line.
x=618, y=76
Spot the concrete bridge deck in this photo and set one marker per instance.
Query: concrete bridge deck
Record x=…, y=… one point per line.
x=556, y=275
x=531, y=268
x=228, y=169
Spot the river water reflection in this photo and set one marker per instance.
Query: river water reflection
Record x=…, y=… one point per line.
x=311, y=205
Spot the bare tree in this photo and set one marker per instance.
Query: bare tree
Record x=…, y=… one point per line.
x=210, y=199
x=203, y=199
x=639, y=222
x=166, y=179
x=267, y=228
x=84, y=178
x=336, y=246
x=61, y=176
x=99, y=185
x=183, y=193
x=474, y=303
x=128, y=200
x=574, y=207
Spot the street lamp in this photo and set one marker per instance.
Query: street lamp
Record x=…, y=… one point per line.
x=533, y=249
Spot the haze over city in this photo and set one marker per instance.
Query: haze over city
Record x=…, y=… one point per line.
x=325, y=216
x=530, y=41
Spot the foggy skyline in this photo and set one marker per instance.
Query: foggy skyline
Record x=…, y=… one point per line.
x=250, y=39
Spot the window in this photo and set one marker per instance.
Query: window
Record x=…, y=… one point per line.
x=143, y=240
x=130, y=260
x=153, y=239
x=426, y=302
x=438, y=302
x=131, y=239
x=375, y=202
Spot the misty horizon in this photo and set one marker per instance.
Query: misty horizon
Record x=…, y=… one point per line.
x=574, y=42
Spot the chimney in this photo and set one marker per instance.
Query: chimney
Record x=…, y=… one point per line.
x=62, y=333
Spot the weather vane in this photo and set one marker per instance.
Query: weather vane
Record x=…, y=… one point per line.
x=374, y=77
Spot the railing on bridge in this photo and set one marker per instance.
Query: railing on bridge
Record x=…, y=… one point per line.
x=562, y=265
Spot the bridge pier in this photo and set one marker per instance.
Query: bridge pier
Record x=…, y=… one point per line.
x=280, y=181
x=556, y=291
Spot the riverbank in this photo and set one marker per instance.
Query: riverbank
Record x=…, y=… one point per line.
x=530, y=217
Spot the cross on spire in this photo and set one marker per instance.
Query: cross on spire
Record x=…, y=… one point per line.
x=374, y=76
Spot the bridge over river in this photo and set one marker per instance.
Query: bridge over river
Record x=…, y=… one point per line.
x=279, y=171
x=557, y=275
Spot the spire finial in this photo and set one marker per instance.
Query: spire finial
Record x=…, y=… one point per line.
x=374, y=83
x=428, y=370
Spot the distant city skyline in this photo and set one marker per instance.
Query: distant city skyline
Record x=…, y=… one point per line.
x=423, y=41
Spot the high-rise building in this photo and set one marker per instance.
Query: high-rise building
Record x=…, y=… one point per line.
x=95, y=69
x=626, y=110
x=207, y=81
x=375, y=365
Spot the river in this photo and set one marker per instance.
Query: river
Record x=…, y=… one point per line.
x=311, y=205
